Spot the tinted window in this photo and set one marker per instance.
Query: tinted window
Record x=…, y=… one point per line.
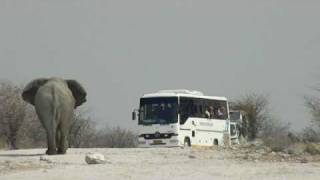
x=235, y=115
x=197, y=107
x=158, y=110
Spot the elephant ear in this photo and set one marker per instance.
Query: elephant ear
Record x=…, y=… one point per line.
x=31, y=89
x=78, y=92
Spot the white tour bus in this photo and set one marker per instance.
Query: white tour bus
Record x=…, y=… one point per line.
x=182, y=118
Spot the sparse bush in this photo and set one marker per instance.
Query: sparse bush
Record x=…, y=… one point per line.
x=12, y=112
x=2, y=143
x=310, y=134
x=278, y=142
x=116, y=138
x=313, y=149
x=256, y=109
x=32, y=134
x=82, y=131
x=276, y=135
x=84, y=134
x=313, y=104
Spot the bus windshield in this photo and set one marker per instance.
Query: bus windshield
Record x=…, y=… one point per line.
x=162, y=110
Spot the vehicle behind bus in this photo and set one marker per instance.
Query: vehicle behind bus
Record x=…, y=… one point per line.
x=236, y=124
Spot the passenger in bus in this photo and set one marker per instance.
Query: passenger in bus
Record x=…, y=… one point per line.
x=221, y=112
x=207, y=113
x=212, y=114
x=161, y=112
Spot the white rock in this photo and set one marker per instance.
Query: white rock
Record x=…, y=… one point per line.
x=95, y=158
x=46, y=159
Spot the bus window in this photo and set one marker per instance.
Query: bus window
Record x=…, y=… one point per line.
x=185, y=109
x=196, y=107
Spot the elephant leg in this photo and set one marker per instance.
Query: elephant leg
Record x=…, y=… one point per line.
x=64, y=132
x=58, y=138
x=63, y=144
x=50, y=127
x=47, y=115
x=51, y=138
x=64, y=126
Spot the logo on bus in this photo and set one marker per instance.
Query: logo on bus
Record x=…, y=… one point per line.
x=157, y=135
x=206, y=124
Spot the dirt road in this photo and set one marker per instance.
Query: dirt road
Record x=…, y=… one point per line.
x=163, y=163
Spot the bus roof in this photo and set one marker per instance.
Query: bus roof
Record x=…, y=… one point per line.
x=183, y=93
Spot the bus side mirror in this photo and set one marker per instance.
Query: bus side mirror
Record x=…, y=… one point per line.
x=134, y=115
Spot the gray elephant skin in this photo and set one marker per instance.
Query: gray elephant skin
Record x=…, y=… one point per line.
x=54, y=100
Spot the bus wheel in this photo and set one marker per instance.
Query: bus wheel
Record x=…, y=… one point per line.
x=216, y=142
x=187, y=142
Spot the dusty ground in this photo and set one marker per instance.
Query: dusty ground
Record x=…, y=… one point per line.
x=163, y=163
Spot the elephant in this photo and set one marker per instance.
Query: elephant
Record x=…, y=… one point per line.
x=55, y=100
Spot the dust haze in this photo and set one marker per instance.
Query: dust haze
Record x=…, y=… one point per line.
x=120, y=50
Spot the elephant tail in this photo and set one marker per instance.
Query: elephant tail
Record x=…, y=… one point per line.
x=54, y=106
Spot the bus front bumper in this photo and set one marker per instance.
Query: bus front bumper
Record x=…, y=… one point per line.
x=172, y=142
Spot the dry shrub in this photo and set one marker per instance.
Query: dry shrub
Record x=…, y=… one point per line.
x=313, y=149
x=310, y=134
x=2, y=143
x=82, y=131
x=84, y=134
x=276, y=135
x=12, y=113
x=255, y=107
x=32, y=134
x=116, y=138
x=278, y=142
x=313, y=104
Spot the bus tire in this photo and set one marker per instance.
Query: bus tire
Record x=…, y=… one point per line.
x=215, y=142
x=187, y=142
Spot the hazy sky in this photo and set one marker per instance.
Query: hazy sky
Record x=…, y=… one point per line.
x=120, y=50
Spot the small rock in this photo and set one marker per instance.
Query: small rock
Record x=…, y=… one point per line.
x=192, y=157
x=296, y=149
x=267, y=149
x=304, y=160
x=234, y=148
x=261, y=151
x=273, y=153
x=290, y=151
x=255, y=156
x=46, y=159
x=284, y=155
x=95, y=158
x=246, y=157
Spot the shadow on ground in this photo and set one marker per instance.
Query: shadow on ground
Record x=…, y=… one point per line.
x=20, y=155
